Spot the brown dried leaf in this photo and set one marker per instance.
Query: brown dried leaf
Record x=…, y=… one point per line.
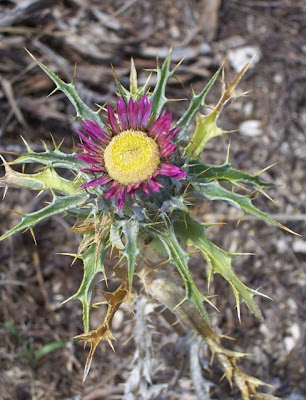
x=103, y=331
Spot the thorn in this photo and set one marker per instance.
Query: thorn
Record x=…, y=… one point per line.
x=31, y=55
x=111, y=344
x=4, y=193
x=265, y=169
x=265, y=194
x=178, y=64
x=53, y=91
x=238, y=311
x=39, y=193
x=53, y=141
x=69, y=254
x=256, y=292
x=33, y=236
x=100, y=108
x=228, y=152
x=74, y=74
x=179, y=304
x=133, y=78
x=146, y=84
x=29, y=150
x=44, y=144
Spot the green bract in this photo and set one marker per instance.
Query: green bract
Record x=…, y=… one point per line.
x=161, y=222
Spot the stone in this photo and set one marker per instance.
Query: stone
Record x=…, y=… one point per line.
x=239, y=56
x=251, y=128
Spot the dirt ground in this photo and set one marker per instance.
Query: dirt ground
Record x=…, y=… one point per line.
x=35, y=280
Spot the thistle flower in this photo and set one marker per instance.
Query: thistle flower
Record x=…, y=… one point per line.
x=133, y=153
x=155, y=169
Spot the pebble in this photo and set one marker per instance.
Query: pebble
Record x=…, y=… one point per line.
x=118, y=319
x=251, y=128
x=248, y=108
x=239, y=56
x=295, y=334
x=299, y=246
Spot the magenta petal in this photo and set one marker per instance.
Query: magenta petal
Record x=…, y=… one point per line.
x=161, y=125
x=172, y=171
x=132, y=193
x=112, y=120
x=94, y=130
x=90, y=150
x=87, y=140
x=122, y=114
x=89, y=159
x=147, y=105
x=130, y=187
x=139, y=113
x=145, y=188
x=112, y=191
x=153, y=185
x=121, y=198
x=131, y=111
x=102, y=180
x=167, y=150
x=173, y=133
x=93, y=169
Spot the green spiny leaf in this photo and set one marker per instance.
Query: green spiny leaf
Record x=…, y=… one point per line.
x=225, y=173
x=69, y=89
x=122, y=91
x=93, y=264
x=218, y=260
x=56, y=158
x=59, y=205
x=206, y=129
x=179, y=258
x=130, y=228
x=196, y=102
x=214, y=191
x=45, y=180
x=115, y=237
x=158, y=96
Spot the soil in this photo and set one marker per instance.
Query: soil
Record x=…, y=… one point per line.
x=35, y=280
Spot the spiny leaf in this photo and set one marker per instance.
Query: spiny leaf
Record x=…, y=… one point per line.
x=115, y=237
x=122, y=91
x=179, y=258
x=69, y=89
x=214, y=191
x=93, y=265
x=45, y=180
x=103, y=332
x=56, y=158
x=219, y=260
x=207, y=127
x=225, y=173
x=196, y=102
x=59, y=205
x=130, y=229
x=158, y=96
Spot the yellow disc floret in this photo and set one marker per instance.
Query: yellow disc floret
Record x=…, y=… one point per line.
x=131, y=157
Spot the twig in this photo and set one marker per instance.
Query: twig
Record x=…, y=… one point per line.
x=124, y=8
x=40, y=279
